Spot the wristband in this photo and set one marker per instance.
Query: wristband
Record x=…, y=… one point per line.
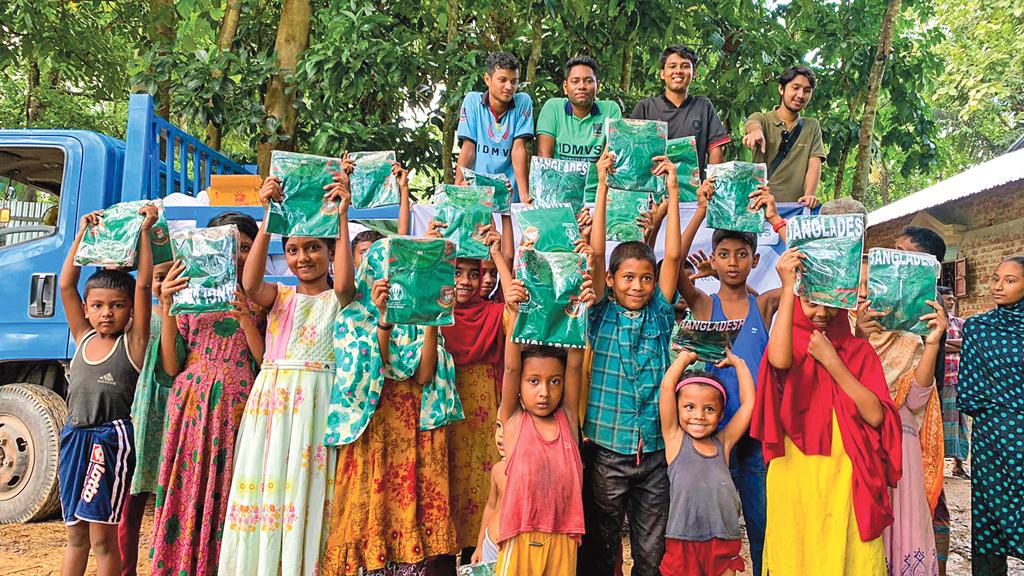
x=385, y=327
x=779, y=225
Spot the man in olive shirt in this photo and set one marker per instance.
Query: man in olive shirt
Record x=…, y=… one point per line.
x=790, y=145
x=686, y=114
x=572, y=128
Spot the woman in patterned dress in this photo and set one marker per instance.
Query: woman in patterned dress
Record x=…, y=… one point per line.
x=955, y=425
x=991, y=390
x=393, y=396
x=204, y=408
x=281, y=487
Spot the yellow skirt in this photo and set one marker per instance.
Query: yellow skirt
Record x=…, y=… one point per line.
x=812, y=528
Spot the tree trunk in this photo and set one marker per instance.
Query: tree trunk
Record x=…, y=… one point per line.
x=867, y=123
x=626, y=76
x=225, y=38
x=883, y=184
x=837, y=190
x=33, y=105
x=292, y=40
x=229, y=24
x=536, y=41
x=451, y=115
x=162, y=14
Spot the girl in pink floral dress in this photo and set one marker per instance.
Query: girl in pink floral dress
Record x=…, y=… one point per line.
x=204, y=408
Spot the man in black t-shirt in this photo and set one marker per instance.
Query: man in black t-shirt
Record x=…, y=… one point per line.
x=686, y=115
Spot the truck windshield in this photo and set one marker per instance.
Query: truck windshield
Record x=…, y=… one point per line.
x=30, y=186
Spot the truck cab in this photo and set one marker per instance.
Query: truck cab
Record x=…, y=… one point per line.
x=50, y=179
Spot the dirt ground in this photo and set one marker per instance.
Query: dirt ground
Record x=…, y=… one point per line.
x=35, y=549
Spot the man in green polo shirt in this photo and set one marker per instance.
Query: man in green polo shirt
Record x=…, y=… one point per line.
x=572, y=128
x=794, y=176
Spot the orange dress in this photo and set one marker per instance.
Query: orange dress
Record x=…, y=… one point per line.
x=471, y=449
x=396, y=503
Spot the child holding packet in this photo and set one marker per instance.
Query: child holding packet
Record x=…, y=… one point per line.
x=703, y=534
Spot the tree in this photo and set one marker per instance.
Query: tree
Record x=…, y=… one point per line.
x=867, y=122
x=292, y=41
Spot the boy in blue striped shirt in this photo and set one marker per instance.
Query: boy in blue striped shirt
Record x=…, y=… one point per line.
x=630, y=327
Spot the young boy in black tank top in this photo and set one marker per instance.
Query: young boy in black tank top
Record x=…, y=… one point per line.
x=97, y=456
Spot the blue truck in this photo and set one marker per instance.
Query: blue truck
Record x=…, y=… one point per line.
x=51, y=178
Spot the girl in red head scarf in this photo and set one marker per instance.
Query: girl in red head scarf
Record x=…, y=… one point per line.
x=831, y=438
x=477, y=344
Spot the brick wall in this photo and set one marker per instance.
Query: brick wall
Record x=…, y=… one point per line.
x=986, y=227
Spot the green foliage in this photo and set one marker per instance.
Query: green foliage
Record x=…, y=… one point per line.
x=383, y=75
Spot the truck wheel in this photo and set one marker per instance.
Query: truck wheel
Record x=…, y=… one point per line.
x=31, y=418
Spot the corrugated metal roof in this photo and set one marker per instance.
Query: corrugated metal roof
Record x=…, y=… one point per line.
x=985, y=176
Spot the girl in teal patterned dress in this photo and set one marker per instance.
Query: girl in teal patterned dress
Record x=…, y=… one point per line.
x=149, y=409
x=283, y=473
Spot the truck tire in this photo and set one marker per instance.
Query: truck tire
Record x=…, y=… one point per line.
x=31, y=418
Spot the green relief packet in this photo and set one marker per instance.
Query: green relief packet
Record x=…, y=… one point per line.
x=634, y=143
x=160, y=239
x=499, y=182
x=554, y=314
x=708, y=340
x=479, y=569
x=547, y=228
x=683, y=153
x=465, y=210
x=833, y=245
x=900, y=285
x=304, y=211
x=729, y=207
x=114, y=241
x=371, y=181
x=624, y=207
x=210, y=259
x=554, y=181
x=421, y=273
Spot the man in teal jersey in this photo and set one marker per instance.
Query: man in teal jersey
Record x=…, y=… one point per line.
x=494, y=127
x=572, y=128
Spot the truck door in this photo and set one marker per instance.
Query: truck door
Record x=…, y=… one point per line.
x=39, y=184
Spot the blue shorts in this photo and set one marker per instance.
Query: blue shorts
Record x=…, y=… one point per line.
x=95, y=470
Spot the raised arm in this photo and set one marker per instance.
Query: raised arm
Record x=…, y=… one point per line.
x=667, y=407
x=256, y=289
x=515, y=293
x=574, y=365
x=780, y=342
x=740, y=422
x=379, y=294
x=405, y=199
x=171, y=285
x=696, y=299
x=762, y=198
x=924, y=374
x=673, y=248
x=138, y=336
x=496, y=246
x=69, y=276
x=598, y=231
x=339, y=191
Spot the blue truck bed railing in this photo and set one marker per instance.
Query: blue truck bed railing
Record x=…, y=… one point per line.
x=175, y=161
x=187, y=163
